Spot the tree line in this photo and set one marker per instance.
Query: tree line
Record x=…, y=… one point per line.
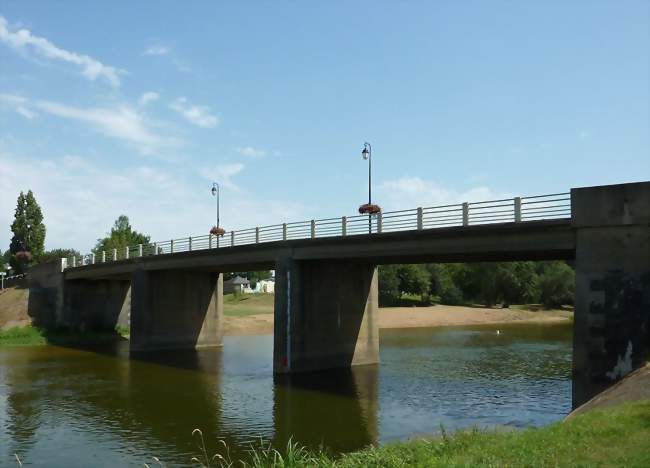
x=550, y=283
x=27, y=246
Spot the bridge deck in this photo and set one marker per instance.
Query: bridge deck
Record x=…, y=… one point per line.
x=528, y=240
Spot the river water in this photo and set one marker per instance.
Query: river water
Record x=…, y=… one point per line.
x=68, y=407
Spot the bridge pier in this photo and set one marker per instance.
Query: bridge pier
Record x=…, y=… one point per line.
x=97, y=305
x=612, y=308
x=325, y=315
x=176, y=309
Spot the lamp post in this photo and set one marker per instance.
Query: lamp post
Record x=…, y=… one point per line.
x=366, y=153
x=215, y=193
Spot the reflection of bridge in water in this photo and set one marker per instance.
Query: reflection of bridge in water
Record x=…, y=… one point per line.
x=149, y=404
x=326, y=283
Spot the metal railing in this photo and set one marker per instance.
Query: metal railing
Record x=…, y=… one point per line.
x=518, y=209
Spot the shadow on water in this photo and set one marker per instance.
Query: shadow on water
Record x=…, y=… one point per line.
x=336, y=409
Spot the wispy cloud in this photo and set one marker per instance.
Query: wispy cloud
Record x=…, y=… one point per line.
x=18, y=104
x=251, y=152
x=121, y=122
x=156, y=50
x=197, y=115
x=222, y=174
x=149, y=195
x=148, y=98
x=24, y=40
x=407, y=192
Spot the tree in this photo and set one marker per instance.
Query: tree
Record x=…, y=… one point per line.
x=28, y=238
x=443, y=283
x=413, y=279
x=557, y=284
x=5, y=260
x=56, y=254
x=122, y=235
x=388, y=284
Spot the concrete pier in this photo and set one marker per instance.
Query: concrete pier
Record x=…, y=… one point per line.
x=98, y=305
x=325, y=315
x=612, y=302
x=176, y=309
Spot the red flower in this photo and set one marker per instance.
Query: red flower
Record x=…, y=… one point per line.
x=24, y=255
x=217, y=231
x=369, y=208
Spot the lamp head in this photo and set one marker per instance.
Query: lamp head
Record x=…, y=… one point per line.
x=365, y=153
x=214, y=190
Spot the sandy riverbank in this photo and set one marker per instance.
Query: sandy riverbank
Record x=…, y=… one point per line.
x=413, y=317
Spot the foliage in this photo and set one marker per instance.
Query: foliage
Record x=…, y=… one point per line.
x=122, y=235
x=489, y=283
x=55, y=254
x=28, y=232
x=31, y=335
x=557, y=284
x=388, y=283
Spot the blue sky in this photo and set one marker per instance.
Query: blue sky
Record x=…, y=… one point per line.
x=135, y=107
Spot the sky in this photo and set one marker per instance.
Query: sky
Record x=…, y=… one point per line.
x=135, y=108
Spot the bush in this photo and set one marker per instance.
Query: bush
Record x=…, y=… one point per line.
x=557, y=284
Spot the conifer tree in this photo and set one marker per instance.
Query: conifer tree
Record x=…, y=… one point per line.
x=28, y=240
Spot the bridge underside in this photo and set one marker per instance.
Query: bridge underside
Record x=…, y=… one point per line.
x=326, y=288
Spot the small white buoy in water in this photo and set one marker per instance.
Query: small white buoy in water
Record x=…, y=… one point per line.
x=498, y=332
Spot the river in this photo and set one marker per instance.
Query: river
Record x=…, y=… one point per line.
x=77, y=408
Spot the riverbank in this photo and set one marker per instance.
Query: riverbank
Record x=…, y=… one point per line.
x=412, y=317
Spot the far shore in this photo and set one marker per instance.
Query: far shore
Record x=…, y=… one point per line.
x=413, y=317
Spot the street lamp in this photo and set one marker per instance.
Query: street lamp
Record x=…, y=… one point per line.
x=367, y=154
x=215, y=193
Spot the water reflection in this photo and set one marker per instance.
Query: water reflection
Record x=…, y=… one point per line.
x=336, y=409
x=107, y=407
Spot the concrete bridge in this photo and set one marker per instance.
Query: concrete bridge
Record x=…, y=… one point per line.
x=326, y=294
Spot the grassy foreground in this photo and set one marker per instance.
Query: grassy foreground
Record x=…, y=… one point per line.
x=618, y=436
x=29, y=335
x=239, y=305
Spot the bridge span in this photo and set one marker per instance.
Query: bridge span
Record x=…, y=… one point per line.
x=170, y=293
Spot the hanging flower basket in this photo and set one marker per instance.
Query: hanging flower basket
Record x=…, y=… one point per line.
x=217, y=231
x=369, y=208
x=24, y=255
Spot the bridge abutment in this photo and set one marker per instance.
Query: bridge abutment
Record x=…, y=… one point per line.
x=612, y=298
x=176, y=309
x=325, y=315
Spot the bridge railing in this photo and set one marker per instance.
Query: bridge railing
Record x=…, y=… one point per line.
x=507, y=210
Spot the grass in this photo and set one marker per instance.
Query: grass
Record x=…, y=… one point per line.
x=29, y=335
x=616, y=436
x=239, y=305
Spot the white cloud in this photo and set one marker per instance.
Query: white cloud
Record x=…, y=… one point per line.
x=81, y=198
x=409, y=192
x=223, y=173
x=197, y=115
x=251, y=152
x=148, y=98
x=121, y=122
x=156, y=50
x=91, y=68
x=18, y=104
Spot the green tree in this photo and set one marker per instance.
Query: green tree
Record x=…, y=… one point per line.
x=557, y=284
x=413, y=279
x=443, y=282
x=389, y=284
x=56, y=254
x=28, y=233
x=517, y=282
x=122, y=235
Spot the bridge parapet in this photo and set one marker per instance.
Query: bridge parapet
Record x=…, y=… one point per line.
x=507, y=210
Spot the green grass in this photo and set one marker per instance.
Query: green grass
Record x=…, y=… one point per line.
x=618, y=436
x=239, y=305
x=29, y=335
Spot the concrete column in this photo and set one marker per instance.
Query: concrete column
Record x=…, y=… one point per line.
x=176, y=309
x=97, y=305
x=325, y=315
x=612, y=310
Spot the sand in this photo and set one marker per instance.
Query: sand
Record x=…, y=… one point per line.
x=413, y=317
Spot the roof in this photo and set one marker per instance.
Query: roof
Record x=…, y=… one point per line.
x=237, y=280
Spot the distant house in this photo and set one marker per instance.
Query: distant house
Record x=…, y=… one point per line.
x=236, y=284
x=265, y=286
